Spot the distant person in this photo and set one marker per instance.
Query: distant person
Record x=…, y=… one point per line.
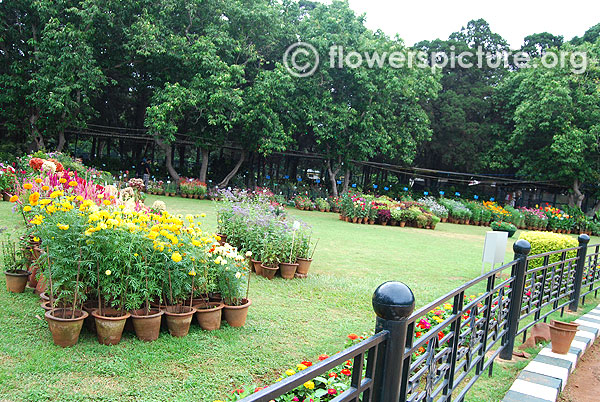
x=146, y=174
x=141, y=168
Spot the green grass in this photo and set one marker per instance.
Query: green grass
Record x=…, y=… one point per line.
x=289, y=321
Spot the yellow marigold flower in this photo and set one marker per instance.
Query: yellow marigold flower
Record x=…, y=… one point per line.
x=79, y=198
x=14, y=198
x=45, y=188
x=45, y=201
x=106, y=202
x=38, y=180
x=309, y=385
x=203, y=215
x=26, y=208
x=62, y=227
x=448, y=306
x=107, y=272
x=300, y=367
x=54, y=194
x=27, y=186
x=73, y=183
x=62, y=180
x=192, y=273
x=176, y=256
x=290, y=372
x=100, y=196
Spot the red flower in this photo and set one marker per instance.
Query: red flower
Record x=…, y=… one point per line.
x=440, y=335
x=259, y=389
x=307, y=364
x=348, y=363
x=323, y=357
x=333, y=375
x=346, y=372
x=331, y=391
x=418, y=334
x=352, y=336
x=238, y=391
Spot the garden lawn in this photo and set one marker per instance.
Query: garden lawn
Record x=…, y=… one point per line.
x=289, y=321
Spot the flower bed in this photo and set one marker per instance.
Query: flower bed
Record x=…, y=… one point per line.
x=192, y=188
x=256, y=222
x=104, y=246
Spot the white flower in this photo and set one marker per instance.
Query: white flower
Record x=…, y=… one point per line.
x=238, y=275
x=296, y=225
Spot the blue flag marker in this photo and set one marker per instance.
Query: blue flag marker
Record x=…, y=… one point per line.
x=318, y=181
x=457, y=194
x=492, y=199
x=442, y=193
x=426, y=193
x=405, y=188
x=476, y=197
x=339, y=182
x=354, y=185
x=267, y=177
x=299, y=178
x=286, y=177
x=374, y=185
x=386, y=188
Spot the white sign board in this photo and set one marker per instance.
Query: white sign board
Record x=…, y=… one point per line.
x=494, y=248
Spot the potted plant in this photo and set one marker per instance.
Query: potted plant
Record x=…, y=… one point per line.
x=305, y=256
x=384, y=216
x=500, y=226
x=179, y=277
x=16, y=277
x=145, y=285
x=271, y=255
x=288, y=268
x=234, y=285
x=208, y=313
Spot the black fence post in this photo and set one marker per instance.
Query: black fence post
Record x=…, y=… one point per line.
x=393, y=303
x=521, y=249
x=581, y=253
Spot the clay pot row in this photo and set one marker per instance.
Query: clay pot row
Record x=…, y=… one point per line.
x=287, y=270
x=66, y=323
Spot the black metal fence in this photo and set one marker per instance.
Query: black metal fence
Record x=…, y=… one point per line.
x=415, y=356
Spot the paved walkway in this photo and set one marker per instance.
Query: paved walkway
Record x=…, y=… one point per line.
x=546, y=375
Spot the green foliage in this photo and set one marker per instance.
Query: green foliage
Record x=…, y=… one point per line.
x=544, y=242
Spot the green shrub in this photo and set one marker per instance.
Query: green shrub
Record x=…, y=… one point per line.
x=543, y=242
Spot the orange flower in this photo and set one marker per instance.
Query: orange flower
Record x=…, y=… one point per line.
x=34, y=198
x=45, y=188
x=14, y=198
x=38, y=180
x=421, y=349
x=307, y=363
x=27, y=186
x=352, y=336
x=62, y=180
x=323, y=357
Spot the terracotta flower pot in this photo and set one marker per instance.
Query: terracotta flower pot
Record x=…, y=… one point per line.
x=41, y=285
x=402, y=224
x=65, y=326
x=393, y=222
x=109, y=325
x=257, y=267
x=303, y=265
x=223, y=239
x=236, y=315
x=209, y=315
x=383, y=223
x=90, y=322
x=288, y=270
x=354, y=219
x=444, y=220
x=371, y=221
x=561, y=339
x=146, y=323
x=32, y=280
x=564, y=325
x=16, y=280
x=269, y=272
x=179, y=319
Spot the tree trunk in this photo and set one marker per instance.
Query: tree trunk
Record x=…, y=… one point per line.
x=577, y=197
x=204, y=166
x=332, y=178
x=61, y=140
x=37, y=137
x=169, y=160
x=237, y=166
x=346, y=179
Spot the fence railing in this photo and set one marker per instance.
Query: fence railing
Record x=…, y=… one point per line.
x=438, y=352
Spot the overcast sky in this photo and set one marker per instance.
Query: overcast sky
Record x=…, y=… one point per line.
x=419, y=20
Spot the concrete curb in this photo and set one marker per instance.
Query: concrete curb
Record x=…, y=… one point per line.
x=546, y=376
